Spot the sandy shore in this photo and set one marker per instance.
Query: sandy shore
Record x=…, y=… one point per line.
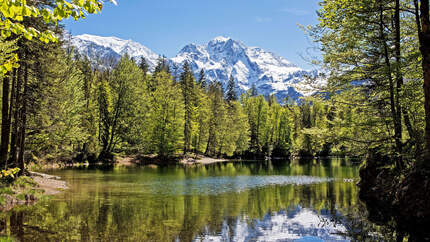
x=200, y=160
x=152, y=159
x=40, y=184
x=51, y=185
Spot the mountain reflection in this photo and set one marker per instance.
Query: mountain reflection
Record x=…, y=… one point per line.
x=301, y=224
x=243, y=201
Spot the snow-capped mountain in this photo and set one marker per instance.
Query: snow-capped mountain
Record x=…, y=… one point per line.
x=301, y=224
x=219, y=58
x=107, y=49
x=270, y=73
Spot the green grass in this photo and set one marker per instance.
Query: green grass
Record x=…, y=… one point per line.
x=6, y=239
x=19, y=188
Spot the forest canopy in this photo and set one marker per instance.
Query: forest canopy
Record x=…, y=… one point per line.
x=57, y=105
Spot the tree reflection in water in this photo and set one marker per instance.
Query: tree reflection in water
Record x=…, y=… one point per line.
x=243, y=201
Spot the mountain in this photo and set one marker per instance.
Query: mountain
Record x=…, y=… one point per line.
x=107, y=49
x=270, y=73
x=300, y=224
x=219, y=58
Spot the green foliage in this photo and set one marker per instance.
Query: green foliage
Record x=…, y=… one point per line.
x=13, y=13
x=8, y=59
x=24, y=182
x=166, y=117
x=189, y=97
x=9, y=173
x=117, y=99
x=381, y=110
x=84, y=110
x=159, y=217
x=7, y=239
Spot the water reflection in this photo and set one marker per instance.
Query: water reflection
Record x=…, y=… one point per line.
x=298, y=224
x=227, y=202
x=223, y=184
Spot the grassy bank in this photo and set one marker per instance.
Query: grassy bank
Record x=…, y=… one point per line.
x=26, y=190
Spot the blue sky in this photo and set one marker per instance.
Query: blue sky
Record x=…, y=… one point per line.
x=165, y=26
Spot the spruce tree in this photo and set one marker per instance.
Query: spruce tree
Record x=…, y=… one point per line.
x=253, y=90
x=202, y=79
x=143, y=65
x=231, y=90
x=162, y=65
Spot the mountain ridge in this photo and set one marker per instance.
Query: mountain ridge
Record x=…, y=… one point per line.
x=219, y=58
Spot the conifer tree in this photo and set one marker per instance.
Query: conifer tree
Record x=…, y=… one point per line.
x=162, y=65
x=143, y=65
x=202, y=79
x=253, y=91
x=231, y=90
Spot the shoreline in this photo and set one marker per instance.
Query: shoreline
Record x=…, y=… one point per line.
x=28, y=190
x=201, y=160
x=51, y=185
x=186, y=160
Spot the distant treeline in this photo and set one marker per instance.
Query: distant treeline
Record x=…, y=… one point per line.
x=73, y=110
x=57, y=105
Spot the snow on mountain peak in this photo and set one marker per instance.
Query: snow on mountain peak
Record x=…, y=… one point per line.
x=223, y=56
x=220, y=58
x=98, y=47
x=220, y=39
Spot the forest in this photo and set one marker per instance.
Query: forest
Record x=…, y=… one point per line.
x=58, y=106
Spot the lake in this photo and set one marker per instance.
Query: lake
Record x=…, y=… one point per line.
x=235, y=201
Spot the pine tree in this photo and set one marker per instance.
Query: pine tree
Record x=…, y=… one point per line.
x=175, y=72
x=231, y=90
x=162, y=65
x=202, y=80
x=253, y=91
x=143, y=65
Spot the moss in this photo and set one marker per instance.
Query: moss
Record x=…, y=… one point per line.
x=6, y=190
x=21, y=196
x=24, y=182
x=6, y=239
x=23, y=189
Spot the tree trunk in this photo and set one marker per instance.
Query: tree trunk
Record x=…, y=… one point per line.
x=423, y=26
x=399, y=82
x=24, y=123
x=5, y=126
x=394, y=112
x=425, y=51
x=12, y=99
x=16, y=121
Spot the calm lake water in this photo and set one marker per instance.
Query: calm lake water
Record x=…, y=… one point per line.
x=241, y=201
